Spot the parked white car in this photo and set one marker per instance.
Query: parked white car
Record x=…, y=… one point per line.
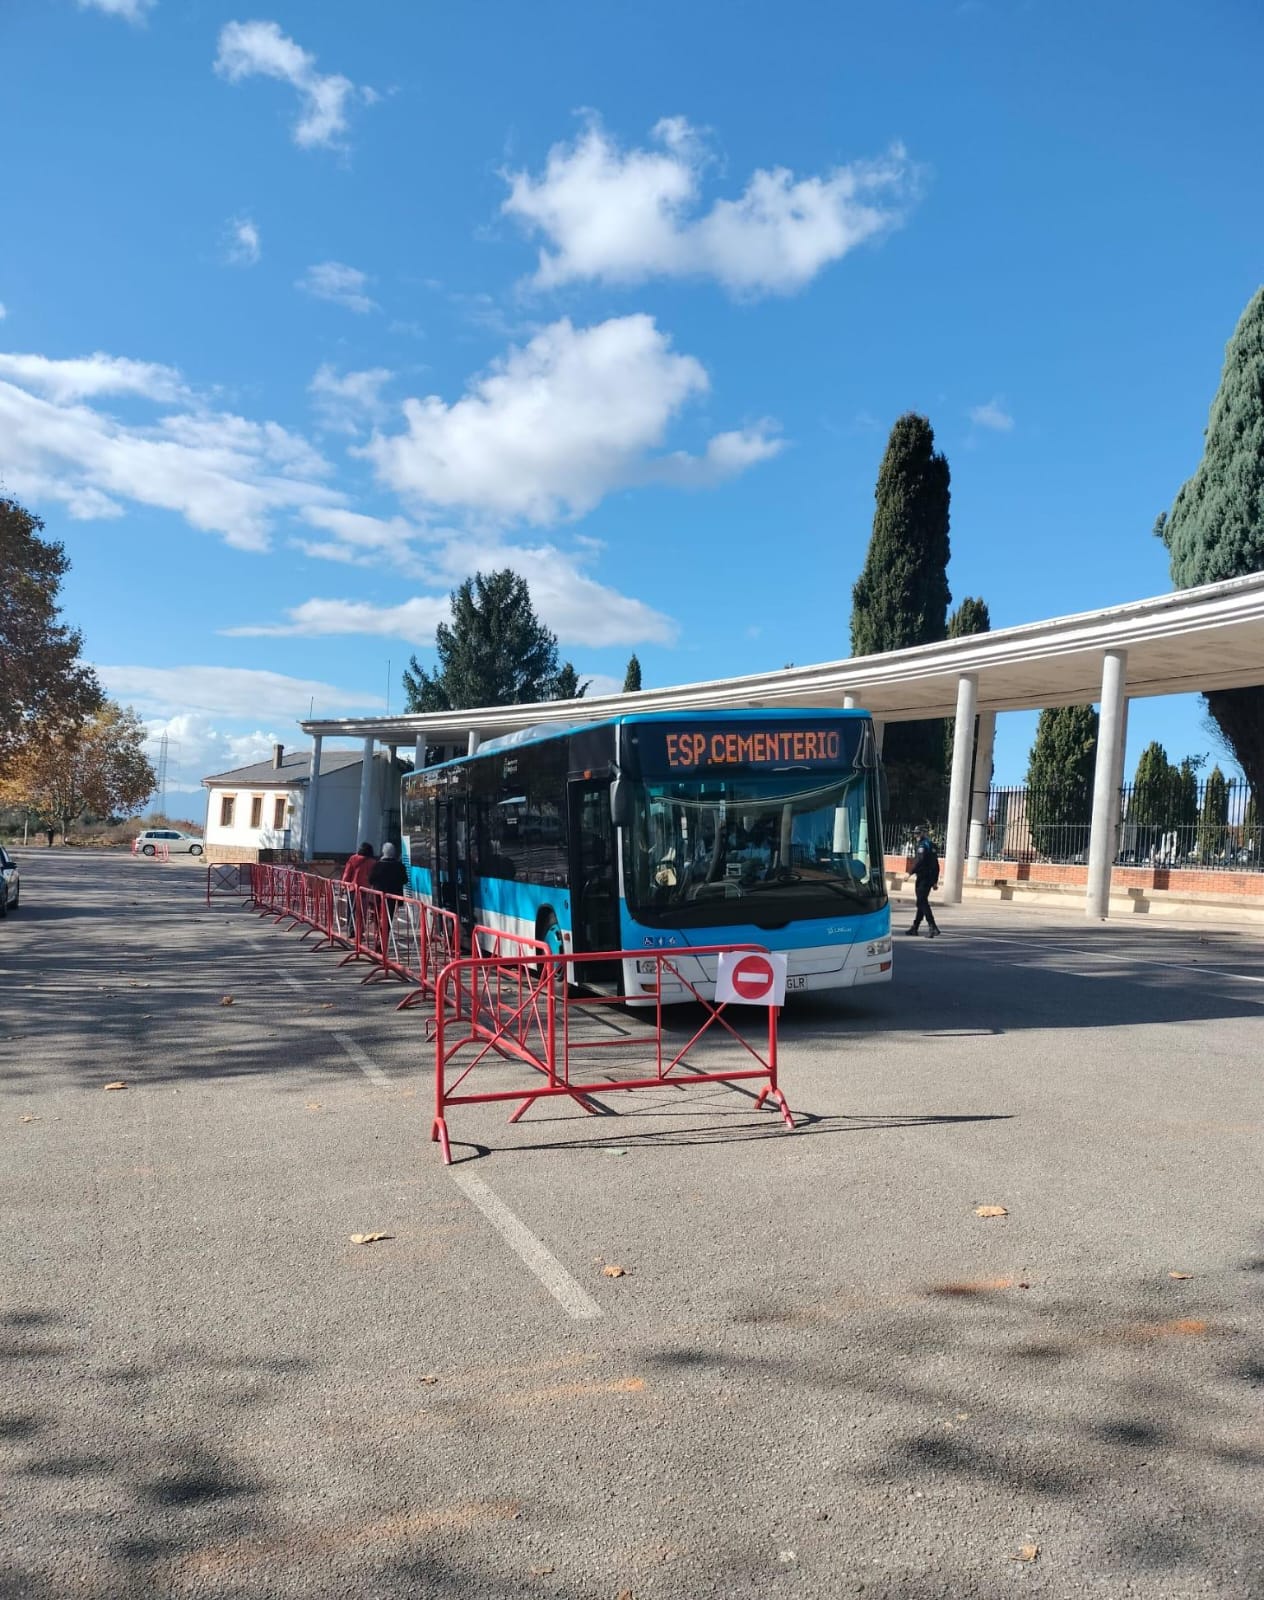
x=177, y=844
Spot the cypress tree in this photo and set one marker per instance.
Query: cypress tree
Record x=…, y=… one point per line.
x=1213, y=819
x=901, y=597
x=1216, y=526
x=971, y=616
x=1060, y=779
x=1151, y=807
x=632, y=677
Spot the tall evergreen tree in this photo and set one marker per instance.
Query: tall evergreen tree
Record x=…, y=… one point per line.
x=971, y=616
x=1213, y=818
x=1060, y=778
x=1151, y=806
x=632, y=677
x=1216, y=526
x=901, y=597
x=496, y=652
x=566, y=685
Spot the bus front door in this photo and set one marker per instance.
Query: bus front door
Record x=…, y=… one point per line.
x=594, y=871
x=453, y=868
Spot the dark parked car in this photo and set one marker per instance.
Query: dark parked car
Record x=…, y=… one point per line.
x=12, y=883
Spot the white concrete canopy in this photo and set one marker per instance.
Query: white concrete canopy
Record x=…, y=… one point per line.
x=1193, y=640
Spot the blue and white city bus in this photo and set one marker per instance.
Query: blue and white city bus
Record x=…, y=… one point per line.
x=666, y=830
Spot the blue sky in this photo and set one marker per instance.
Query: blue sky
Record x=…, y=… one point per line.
x=311, y=310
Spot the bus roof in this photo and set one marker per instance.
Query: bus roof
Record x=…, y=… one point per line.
x=542, y=732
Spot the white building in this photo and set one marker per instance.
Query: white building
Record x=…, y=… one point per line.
x=256, y=810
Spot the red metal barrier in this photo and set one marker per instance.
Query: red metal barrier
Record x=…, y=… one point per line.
x=525, y=1009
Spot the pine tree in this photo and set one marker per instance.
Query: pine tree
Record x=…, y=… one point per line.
x=566, y=685
x=901, y=597
x=495, y=653
x=1213, y=819
x=632, y=677
x=1216, y=526
x=1060, y=779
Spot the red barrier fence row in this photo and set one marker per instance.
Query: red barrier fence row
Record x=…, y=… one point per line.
x=513, y=1002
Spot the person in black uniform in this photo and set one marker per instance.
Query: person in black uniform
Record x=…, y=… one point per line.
x=925, y=878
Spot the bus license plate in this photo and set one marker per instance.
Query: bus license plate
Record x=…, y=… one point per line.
x=796, y=983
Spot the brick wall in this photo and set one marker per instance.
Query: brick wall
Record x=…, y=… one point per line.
x=1178, y=880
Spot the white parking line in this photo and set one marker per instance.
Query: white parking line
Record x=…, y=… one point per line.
x=532, y=1252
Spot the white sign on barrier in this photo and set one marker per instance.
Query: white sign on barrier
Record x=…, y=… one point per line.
x=751, y=978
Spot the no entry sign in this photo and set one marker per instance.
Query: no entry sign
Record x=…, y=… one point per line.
x=753, y=979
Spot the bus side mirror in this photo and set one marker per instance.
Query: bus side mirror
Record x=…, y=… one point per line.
x=620, y=802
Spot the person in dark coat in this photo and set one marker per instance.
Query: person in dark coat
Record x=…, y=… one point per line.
x=925, y=878
x=389, y=874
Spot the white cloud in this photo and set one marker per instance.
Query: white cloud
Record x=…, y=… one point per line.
x=992, y=415
x=129, y=10
x=4, y=311
x=726, y=455
x=83, y=377
x=223, y=473
x=348, y=402
x=575, y=606
x=229, y=692
x=244, y=244
x=249, y=49
x=622, y=216
x=344, y=285
x=556, y=425
x=413, y=620
x=199, y=746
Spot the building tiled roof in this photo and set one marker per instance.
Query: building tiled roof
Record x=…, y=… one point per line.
x=295, y=768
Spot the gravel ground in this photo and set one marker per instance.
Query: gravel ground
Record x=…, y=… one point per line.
x=821, y=1373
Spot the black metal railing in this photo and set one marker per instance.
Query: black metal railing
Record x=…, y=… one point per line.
x=1210, y=826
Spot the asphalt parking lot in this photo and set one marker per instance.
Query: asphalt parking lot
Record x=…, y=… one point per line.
x=819, y=1374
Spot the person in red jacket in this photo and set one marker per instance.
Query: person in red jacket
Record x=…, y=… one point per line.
x=356, y=876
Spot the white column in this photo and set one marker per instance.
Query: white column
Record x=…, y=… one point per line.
x=419, y=753
x=364, y=822
x=959, y=789
x=474, y=741
x=308, y=842
x=979, y=791
x=1110, y=727
x=850, y=702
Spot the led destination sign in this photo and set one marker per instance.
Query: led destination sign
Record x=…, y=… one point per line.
x=688, y=749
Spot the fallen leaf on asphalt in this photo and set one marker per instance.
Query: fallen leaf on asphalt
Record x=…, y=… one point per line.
x=1180, y=1274
x=615, y=1152
x=990, y=1211
x=30, y=1119
x=612, y=1272
x=624, y=1594
x=1029, y=1552
x=428, y=1378
x=117, y=1085
x=314, y=1105
x=227, y=1000
x=369, y=1238
x=542, y=1572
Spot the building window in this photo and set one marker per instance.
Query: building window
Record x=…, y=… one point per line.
x=227, y=805
x=256, y=810
x=278, y=813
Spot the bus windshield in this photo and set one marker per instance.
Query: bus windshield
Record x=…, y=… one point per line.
x=751, y=849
